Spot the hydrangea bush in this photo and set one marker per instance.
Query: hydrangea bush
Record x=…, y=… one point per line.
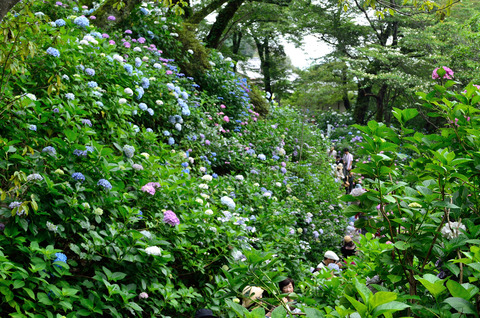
x=126, y=188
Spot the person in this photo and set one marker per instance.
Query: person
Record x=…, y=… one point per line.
x=348, y=248
x=347, y=160
x=348, y=184
x=251, y=297
x=204, y=313
x=330, y=261
x=286, y=286
x=339, y=172
x=332, y=152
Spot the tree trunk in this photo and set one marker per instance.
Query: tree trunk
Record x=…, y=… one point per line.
x=107, y=9
x=363, y=101
x=237, y=39
x=380, y=103
x=345, y=99
x=198, y=16
x=265, y=60
x=5, y=6
x=224, y=16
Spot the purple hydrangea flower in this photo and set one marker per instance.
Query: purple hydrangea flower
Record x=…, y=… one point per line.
x=171, y=218
x=90, y=71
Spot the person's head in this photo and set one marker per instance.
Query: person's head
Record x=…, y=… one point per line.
x=345, y=150
x=332, y=148
x=204, y=313
x=348, y=241
x=286, y=286
x=330, y=257
x=251, y=294
x=339, y=166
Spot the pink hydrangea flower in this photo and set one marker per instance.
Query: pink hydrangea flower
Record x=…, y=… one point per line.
x=92, y=17
x=105, y=36
x=111, y=18
x=169, y=72
x=150, y=187
x=111, y=42
x=143, y=295
x=141, y=40
x=171, y=218
x=127, y=44
x=223, y=106
x=226, y=118
x=448, y=73
x=128, y=32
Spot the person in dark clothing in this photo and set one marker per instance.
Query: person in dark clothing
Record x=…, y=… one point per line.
x=204, y=313
x=348, y=248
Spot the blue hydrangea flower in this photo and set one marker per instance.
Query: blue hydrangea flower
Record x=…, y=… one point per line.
x=78, y=152
x=138, y=62
x=149, y=130
x=90, y=71
x=87, y=122
x=214, y=175
x=78, y=176
x=33, y=127
x=53, y=52
x=143, y=106
x=60, y=22
x=69, y=96
x=150, y=111
x=140, y=92
x=262, y=157
x=166, y=133
x=99, y=104
x=145, y=83
x=92, y=84
x=171, y=141
x=105, y=184
x=129, y=151
x=144, y=11
x=89, y=148
x=128, y=68
x=60, y=258
x=81, y=21
x=50, y=150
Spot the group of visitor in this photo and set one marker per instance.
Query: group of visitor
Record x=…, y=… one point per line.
x=252, y=295
x=343, y=169
x=331, y=263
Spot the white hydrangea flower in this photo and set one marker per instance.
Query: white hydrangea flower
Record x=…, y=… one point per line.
x=153, y=250
x=239, y=177
x=207, y=177
x=452, y=230
x=128, y=91
x=209, y=212
x=203, y=186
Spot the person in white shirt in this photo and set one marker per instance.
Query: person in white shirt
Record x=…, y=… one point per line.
x=347, y=160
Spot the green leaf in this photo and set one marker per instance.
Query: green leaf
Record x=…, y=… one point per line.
x=401, y=245
x=258, y=313
x=363, y=290
x=408, y=114
x=381, y=298
x=313, y=313
x=361, y=308
x=43, y=298
x=461, y=305
x=457, y=290
x=279, y=312
x=432, y=283
x=390, y=307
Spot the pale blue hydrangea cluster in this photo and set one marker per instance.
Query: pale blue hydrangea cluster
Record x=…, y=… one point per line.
x=34, y=177
x=53, y=52
x=81, y=21
x=70, y=96
x=50, y=150
x=60, y=22
x=90, y=71
x=129, y=151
